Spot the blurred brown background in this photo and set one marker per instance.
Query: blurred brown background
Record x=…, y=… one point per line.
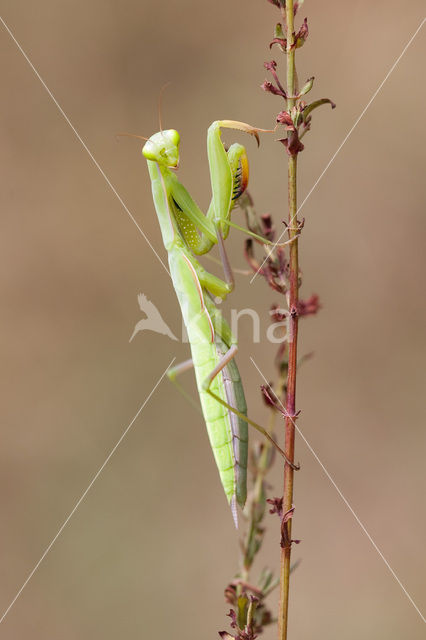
x=152, y=546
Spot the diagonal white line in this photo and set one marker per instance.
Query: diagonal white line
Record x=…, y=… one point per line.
x=333, y=157
x=84, y=494
x=345, y=500
x=85, y=147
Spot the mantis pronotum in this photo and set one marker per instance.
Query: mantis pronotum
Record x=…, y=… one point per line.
x=187, y=232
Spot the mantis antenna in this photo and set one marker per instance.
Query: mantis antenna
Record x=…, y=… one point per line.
x=132, y=135
x=160, y=96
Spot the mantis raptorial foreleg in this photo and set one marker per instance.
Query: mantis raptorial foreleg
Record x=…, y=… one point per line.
x=226, y=265
x=229, y=179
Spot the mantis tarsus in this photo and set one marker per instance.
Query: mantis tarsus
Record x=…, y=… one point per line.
x=187, y=232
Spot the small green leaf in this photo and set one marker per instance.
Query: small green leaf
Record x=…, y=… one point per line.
x=308, y=86
x=279, y=37
x=315, y=105
x=242, y=606
x=278, y=32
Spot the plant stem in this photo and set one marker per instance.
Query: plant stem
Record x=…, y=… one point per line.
x=293, y=299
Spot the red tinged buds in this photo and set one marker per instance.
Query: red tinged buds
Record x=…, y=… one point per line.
x=302, y=34
x=276, y=89
x=284, y=118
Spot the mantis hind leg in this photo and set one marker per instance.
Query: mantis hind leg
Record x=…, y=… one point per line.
x=174, y=372
x=229, y=355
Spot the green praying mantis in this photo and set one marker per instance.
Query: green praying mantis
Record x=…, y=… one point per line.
x=187, y=232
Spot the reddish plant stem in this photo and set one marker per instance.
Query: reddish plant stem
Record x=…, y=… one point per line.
x=293, y=299
x=293, y=305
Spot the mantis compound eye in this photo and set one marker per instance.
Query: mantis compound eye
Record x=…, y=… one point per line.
x=150, y=150
x=171, y=137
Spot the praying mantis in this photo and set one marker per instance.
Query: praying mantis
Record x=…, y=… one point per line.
x=187, y=233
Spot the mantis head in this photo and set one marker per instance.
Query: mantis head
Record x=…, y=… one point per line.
x=163, y=147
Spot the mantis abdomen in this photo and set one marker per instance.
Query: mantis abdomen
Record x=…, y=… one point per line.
x=228, y=434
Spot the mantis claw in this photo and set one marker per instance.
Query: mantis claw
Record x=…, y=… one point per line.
x=243, y=126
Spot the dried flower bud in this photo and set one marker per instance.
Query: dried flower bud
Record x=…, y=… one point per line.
x=284, y=118
x=249, y=256
x=270, y=66
x=277, y=314
x=266, y=394
x=271, y=88
x=233, y=617
x=278, y=89
x=292, y=144
x=268, y=229
x=301, y=35
x=231, y=594
x=282, y=42
x=309, y=307
x=277, y=506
